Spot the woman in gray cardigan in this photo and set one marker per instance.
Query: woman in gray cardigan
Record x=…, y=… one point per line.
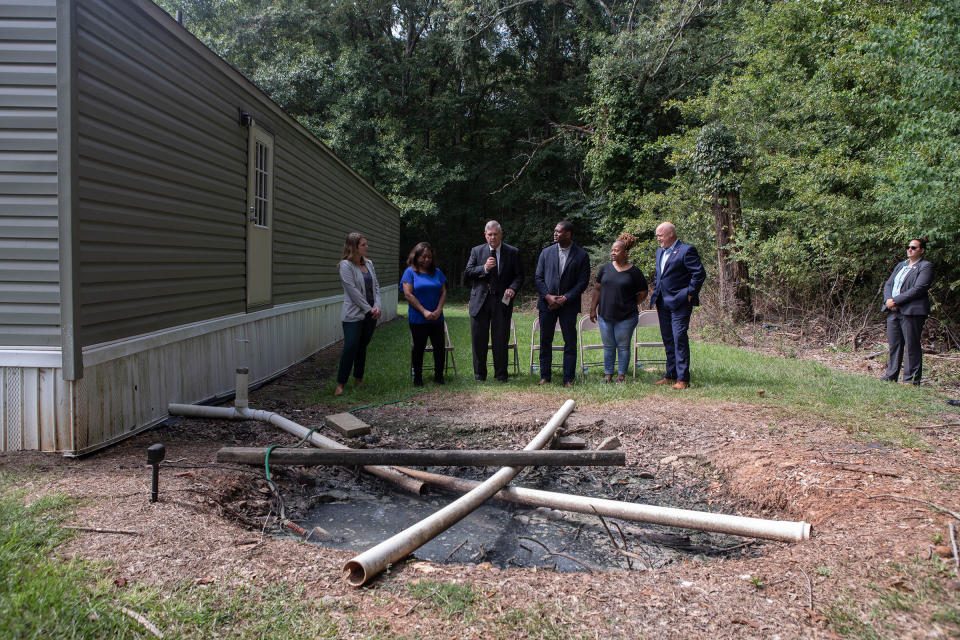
x=361, y=308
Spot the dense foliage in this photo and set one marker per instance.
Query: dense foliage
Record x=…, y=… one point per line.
x=802, y=143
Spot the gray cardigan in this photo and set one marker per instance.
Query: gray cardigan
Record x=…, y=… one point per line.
x=355, y=305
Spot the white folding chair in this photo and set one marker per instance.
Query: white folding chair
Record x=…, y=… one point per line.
x=447, y=361
x=586, y=324
x=535, y=345
x=511, y=345
x=647, y=318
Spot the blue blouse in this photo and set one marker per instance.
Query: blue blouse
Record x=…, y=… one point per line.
x=427, y=288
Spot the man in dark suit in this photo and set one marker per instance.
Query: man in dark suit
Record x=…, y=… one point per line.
x=496, y=273
x=563, y=272
x=680, y=274
x=907, y=305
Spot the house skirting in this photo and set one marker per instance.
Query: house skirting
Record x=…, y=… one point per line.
x=127, y=384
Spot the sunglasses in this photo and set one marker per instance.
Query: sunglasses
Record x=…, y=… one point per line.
x=911, y=247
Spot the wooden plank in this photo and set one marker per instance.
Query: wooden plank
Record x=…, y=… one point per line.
x=421, y=457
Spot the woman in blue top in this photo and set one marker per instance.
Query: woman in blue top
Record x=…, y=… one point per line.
x=425, y=288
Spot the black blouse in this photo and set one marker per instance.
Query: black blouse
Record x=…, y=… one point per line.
x=618, y=292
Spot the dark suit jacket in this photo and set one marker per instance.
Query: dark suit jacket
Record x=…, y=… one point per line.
x=509, y=270
x=683, y=276
x=571, y=283
x=913, y=299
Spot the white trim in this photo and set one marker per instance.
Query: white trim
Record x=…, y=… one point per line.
x=106, y=351
x=40, y=357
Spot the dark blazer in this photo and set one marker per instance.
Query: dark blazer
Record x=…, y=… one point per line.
x=913, y=299
x=683, y=276
x=571, y=283
x=509, y=270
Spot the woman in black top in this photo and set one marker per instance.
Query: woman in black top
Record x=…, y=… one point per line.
x=619, y=291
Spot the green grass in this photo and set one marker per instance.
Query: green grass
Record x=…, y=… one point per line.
x=860, y=404
x=914, y=586
x=450, y=598
x=43, y=596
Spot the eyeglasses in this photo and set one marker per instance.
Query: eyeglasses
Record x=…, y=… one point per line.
x=910, y=247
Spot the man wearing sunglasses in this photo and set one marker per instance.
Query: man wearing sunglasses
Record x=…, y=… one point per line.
x=907, y=306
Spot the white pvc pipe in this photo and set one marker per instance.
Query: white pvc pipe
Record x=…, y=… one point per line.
x=782, y=530
x=371, y=562
x=291, y=427
x=241, y=400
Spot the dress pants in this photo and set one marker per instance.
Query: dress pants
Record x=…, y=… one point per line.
x=420, y=331
x=903, y=333
x=356, y=337
x=491, y=326
x=568, y=328
x=673, y=331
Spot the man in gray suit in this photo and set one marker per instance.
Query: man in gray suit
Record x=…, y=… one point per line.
x=907, y=306
x=496, y=273
x=563, y=272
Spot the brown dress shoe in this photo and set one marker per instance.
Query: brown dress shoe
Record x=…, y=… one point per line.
x=663, y=381
x=568, y=385
x=681, y=385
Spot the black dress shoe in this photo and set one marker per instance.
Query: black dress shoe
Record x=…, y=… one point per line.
x=418, y=382
x=438, y=379
x=479, y=379
x=501, y=378
x=953, y=403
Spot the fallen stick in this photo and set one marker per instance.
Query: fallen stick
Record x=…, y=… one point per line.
x=847, y=466
x=96, y=530
x=146, y=623
x=782, y=530
x=422, y=457
x=896, y=497
x=937, y=426
x=953, y=543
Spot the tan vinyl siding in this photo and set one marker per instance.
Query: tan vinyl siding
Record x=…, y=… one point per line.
x=162, y=183
x=29, y=269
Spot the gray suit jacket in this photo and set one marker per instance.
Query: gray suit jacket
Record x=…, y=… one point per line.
x=913, y=299
x=355, y=305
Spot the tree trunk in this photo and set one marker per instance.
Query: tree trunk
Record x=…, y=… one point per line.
x=734, y=290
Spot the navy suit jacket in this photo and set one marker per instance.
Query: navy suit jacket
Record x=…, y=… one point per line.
x=509, y=274
x=682, y=276
x=571, y=283
x=913, y=299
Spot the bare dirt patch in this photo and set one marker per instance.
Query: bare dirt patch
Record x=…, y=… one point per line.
x=872, y=558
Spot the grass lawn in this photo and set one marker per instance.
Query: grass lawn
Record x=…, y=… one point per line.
x=858, y=403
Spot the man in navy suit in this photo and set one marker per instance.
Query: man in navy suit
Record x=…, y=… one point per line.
x=496, y=272
x=680, y=274
x=563, y=272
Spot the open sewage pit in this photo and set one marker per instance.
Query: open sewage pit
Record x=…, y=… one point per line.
x=491, y=534
x=502, y=534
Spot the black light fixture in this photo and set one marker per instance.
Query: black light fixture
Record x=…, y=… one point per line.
x=155, y=455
